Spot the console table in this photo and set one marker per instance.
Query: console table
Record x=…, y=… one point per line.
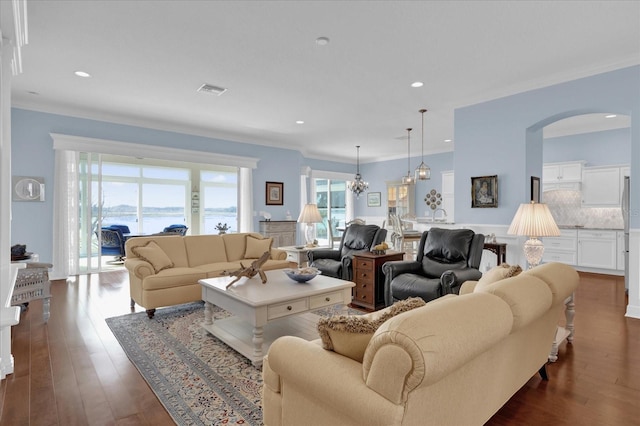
x=369, y=278
x=499, y=249
x=283, y=232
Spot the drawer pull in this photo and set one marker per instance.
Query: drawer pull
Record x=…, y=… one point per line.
x=327, y=299
x=289, y=308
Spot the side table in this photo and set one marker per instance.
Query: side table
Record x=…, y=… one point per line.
x=499, y=249
x=33, y=283
x=298, y=254
x=564, y=332
x=369, y=278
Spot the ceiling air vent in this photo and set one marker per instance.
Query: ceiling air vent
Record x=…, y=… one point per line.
x=214, y=90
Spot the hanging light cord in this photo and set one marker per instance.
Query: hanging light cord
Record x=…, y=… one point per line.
x=422, y=111
x=408, y=152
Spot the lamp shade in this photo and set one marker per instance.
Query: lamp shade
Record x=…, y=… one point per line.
x=534, y=220
x=310, y=214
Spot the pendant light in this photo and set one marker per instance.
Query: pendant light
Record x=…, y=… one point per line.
x=423, y=172
x=358, y=186
x=408, y=179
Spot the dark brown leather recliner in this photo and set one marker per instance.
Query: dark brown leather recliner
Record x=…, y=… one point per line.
x=446, y=258
x=337, y=263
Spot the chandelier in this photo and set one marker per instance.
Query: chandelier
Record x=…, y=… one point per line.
x=408, y=179
x=358, y=186
x=423, y=172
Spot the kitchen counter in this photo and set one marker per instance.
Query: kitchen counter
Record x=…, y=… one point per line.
x=588, y=228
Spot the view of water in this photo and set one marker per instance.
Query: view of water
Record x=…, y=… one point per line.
x=153, y=224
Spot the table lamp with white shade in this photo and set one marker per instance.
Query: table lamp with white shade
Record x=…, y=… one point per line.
x=310, y=215
x=533, y=220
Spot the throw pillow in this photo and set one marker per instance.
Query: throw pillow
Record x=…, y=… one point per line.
x=256, y=247
x=496, y=274
x=152, y=253
x=350, y=335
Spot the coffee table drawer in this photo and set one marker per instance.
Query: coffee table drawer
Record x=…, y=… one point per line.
x=326, y=300
x=287, y=308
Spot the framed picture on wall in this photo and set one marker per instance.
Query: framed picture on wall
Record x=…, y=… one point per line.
x=535, y=189
x=274, y=193
x=484, y=191
x=374, y=199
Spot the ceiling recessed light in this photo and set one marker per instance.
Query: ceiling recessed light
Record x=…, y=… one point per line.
x=610, y=116
x=447, y=140
x=322, y=41
x=82, y=74
x=299, y=122
x=417, y=84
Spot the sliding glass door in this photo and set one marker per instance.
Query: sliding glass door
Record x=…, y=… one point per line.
x=149, y=197
x=331, y=200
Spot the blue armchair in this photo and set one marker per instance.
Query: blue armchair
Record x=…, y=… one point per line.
x=123, y=228
x=176, y=229
x=112, y=243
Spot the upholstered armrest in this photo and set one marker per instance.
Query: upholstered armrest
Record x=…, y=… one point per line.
x=420, y=347
x=304, y=368
x=347, y=261
x=452, y=280
x=323, y=254
x=139, y=267
x=467, y=287
x=277, y=254
x=393, y=269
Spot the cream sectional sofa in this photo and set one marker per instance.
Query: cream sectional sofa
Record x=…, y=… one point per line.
x=164, y=270
x=454, y=361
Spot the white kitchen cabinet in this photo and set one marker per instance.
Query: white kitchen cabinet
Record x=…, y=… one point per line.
x=563, y=249
x=400, y=200
x=601, y=186
x=562, y=172
x=567, y=176
x=620, y=250
x=597, y=249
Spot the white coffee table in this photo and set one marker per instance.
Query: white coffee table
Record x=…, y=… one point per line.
x=264, y=312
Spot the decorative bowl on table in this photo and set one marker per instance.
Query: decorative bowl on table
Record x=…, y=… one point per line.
x=302, y=275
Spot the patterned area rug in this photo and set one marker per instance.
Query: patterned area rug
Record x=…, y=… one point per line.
x=198, y=379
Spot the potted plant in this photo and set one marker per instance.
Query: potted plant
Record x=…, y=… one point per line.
x=222, y=228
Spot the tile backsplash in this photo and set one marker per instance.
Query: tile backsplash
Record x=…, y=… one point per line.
x=566, y=208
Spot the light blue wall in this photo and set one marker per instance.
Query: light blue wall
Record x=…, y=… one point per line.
x=502, y=137
x=32, y=155
x=597, y=148
x=378, y=174
x=493, y=138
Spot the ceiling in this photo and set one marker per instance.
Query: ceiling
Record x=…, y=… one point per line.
x=147, y=58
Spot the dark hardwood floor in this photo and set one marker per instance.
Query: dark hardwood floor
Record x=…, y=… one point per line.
x=72, y=371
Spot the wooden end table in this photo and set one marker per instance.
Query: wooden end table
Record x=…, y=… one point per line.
x=499, y=249
x=369, y=278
